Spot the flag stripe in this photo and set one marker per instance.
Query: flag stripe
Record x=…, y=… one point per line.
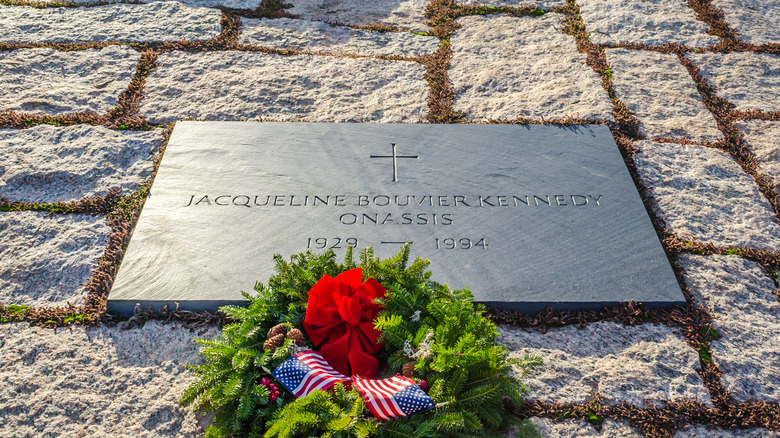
x=307, y=372
x=381, y=402
x=374, y=401
x=379, y=394
x=328, y=370
x=318, y=381
x=394, y=397
x=393, y=409
x=307, y=384
x=311, y=360
x=317, y=364
x=391, y=383
x=299, y=389
x=389, y=406
x=388, y=398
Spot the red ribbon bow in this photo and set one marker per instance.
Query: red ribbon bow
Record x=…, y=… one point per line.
x=340, y=316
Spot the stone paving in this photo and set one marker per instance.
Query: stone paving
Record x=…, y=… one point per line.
x=648, y=22
x=158, y=21
x=506, y=68
x=47, y=81
x=88, y=95
x=657, y=89
x=726, y=208
x=297, y=87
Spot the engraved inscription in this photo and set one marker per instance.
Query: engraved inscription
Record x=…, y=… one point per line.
x=398, y=219
x=462, y=243
x=336, y=200
x=335, y=242
x=368, y=209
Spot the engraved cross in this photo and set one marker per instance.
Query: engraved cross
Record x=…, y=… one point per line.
x=395, y=158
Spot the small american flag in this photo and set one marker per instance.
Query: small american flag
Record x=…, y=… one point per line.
x=306, y=372
x=398, y=396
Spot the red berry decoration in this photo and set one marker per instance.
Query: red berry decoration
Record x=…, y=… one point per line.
x=273, y=391
x=423, y=385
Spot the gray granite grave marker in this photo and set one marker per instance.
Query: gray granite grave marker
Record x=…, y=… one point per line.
x=525, y=216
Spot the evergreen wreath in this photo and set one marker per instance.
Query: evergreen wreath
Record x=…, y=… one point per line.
x=429, y=332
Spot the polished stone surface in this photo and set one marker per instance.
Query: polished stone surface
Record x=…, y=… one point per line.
x=525, y=216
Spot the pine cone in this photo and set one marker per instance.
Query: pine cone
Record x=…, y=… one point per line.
x=408, y=369
x=278, y=329
x=297, y=336
x=274, y=342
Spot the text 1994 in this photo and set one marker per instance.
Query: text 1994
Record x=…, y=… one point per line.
x=462, y=243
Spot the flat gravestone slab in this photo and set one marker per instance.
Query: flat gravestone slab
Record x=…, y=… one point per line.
x=525, y=216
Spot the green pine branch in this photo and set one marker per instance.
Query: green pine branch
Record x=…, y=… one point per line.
x=470, y=376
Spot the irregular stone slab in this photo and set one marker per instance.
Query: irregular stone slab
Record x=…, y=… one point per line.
x=577, y=428
x=642, y=365
x=235, y=4
x=756, y=21
x=701, y=431
x=157, y=21
x=46, y=164
x=763, y=138
x=546, y=4
x=47, y=81
x=246, y=85
x=44, y=260
x=651, y=22
x=97, y=382
x=406, y=14
x=510, y=67
x=702, y=194
x=746, y=313
x=315, y=36
x=662, y=95
x=748, y=80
